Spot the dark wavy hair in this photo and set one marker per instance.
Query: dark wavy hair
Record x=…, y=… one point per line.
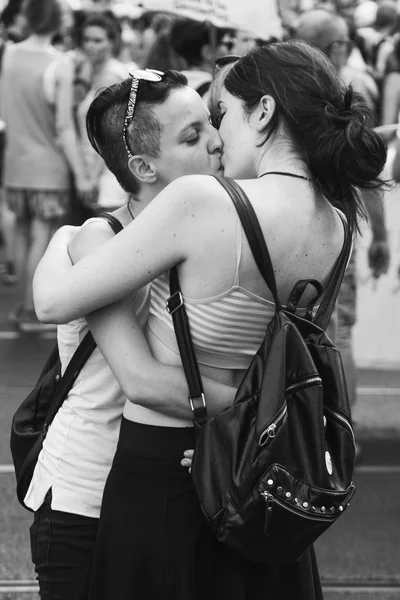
x=105, y=123
x=330, y=125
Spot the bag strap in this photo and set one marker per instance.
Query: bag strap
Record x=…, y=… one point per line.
x=251, y=226
x=329, y=298
x=176, y=308
x=262, y=257
x=253, y=233
x=113, y=222
x=80, y=356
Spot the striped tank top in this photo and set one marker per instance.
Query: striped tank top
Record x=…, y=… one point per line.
x=227, y=329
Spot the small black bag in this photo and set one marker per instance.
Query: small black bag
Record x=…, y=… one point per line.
x=274, y=471
x=35, y=414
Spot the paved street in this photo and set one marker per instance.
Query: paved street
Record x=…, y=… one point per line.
x=359, y=557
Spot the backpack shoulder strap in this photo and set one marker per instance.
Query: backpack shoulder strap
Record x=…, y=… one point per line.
x=203, y=88
x=72, y=371
x=253, y=232
x=261, y=255
x=81, y=354
x=113, y=222
x=329, y=298
x=176, y=308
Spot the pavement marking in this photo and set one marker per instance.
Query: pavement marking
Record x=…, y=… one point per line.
x=376, y=591
x=21, y=589
x=367, y=469
x=382, y=391
x=6, y=469
x=13, y=335
x=377, y=469
x=9, y=335
x=24, y=586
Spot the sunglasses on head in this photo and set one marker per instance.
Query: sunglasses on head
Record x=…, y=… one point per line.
x=222, y=61
x=219, y=64
x=146, y=75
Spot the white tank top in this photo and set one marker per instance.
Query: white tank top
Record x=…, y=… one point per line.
x=81, y=442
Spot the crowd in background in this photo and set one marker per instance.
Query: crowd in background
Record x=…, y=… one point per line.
x=51, y=175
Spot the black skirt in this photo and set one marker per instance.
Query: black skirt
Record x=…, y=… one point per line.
x=154, y=544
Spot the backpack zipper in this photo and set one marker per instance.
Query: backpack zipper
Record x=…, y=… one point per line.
x=304, y=383
x=270, y=431
x=343, y=420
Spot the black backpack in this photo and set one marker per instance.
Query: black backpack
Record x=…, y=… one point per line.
x=35, y=414
x=274, y=471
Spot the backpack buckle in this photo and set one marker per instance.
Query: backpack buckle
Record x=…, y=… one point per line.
x=174, y=302
x=198, y=406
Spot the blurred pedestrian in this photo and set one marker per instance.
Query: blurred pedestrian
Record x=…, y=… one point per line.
x=14, y=28
x=100, y=38
x=378, y=40
x=191, y=41
x=329, y=32
x=243, y=42
x=162, y=55
x=39, y=151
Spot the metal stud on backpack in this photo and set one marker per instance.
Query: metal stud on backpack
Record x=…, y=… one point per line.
x=274, y=471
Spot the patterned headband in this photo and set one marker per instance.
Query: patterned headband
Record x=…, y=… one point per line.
x=147, y=75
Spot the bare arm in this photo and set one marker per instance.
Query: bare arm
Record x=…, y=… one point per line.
x=390, y=101
x=122, y=342
x=65, y=125
x=162, y=236
x=378, y=252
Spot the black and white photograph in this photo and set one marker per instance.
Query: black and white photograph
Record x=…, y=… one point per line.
x=199, y=299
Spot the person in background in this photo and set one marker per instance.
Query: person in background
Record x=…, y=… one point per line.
x=391, y=92
x=41, y=147
x=244, y=41
x=377, y=41
x=162, y=55
x=100, y=38
x=14, y=28
x=191, y=41
x=329, y=33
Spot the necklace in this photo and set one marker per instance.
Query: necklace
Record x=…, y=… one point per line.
x=128, y=206
x=285, y=173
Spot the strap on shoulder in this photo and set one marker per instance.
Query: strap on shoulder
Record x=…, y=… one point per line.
x=114, y=223
x=262, y=257
x=81, y=354
x=329, y=298
x=253, y=233
x=72, y=371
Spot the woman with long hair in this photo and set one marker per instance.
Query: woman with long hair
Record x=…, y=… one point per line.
x=300, y=142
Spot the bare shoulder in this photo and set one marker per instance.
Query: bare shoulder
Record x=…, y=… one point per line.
x=91, y=235
x=197, y=191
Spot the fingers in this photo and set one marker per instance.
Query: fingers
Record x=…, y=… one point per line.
x=187, y=460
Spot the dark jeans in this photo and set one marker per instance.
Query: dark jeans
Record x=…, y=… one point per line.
x=62, y=547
